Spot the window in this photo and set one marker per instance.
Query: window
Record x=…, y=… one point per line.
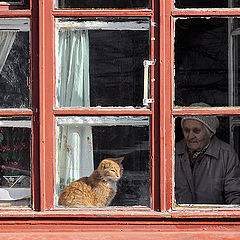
x=18, y=121
x=206, y=90
x=89, y=85
x=100, y=63
x=97, y=101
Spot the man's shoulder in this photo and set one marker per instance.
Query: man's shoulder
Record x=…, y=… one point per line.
x=220, y=144
x=217, y=146
x=180, y=147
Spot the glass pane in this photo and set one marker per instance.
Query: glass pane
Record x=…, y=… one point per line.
x=103, y=4
x=100, y=63
x=206, y=61
x=207, y=4
x=14, y=63
x=207, y=169
x=15, y=163
x=12, y=1
x=82, y=144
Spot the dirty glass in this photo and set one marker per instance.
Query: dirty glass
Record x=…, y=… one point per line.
x=103, y=4
x=207, y=3
x=12, y=1
x=207, y=61
x=14, y=63
x=100, y=62
x=207, y=161
x=15, y=174
x=83, y=142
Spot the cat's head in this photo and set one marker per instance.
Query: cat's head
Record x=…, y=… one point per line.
x=111, y=169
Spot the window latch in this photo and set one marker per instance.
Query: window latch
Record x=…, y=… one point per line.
x=146, y=99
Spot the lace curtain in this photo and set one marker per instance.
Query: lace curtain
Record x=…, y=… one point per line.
x=7, y=39
x=75, y=153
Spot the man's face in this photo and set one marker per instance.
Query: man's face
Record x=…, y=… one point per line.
x=195, y=134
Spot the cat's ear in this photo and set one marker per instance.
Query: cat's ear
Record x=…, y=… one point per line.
x=118, y=160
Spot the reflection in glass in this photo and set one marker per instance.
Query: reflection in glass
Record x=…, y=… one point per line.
x=207, y=173
x=206, y=61
x=100, y=63
x=207, y=3
x=83, y=142
x=103, y=4
x=14, y=63
x=15, y=175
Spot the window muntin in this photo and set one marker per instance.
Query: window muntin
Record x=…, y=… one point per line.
x=207, y=4
x=108, y=69
x=102, y=4
x=15, y=63
x=206, y=61
x=15, y=161
x=82, y=142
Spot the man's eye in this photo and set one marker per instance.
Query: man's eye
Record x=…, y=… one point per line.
x=196, y=130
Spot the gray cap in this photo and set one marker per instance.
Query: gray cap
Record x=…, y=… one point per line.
x=211, y=122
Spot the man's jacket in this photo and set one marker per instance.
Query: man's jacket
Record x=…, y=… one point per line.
x=215, y=179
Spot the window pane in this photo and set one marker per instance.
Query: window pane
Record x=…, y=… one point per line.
x=14, y=63
x=100, y=63
x=15, y=173
x=206, y=4
x=207, y=169
x=103, y=4
x=83, y=142
x=206, y=61
x=12, y=1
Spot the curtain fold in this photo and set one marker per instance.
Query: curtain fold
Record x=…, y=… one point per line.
x=75, y=158
x=7, y=39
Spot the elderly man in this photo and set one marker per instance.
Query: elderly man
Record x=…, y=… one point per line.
x=207, y=170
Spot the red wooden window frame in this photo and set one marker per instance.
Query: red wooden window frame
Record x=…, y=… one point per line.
x=43, y=112
x=48, y=111
x=179, y=111
x=28, y=10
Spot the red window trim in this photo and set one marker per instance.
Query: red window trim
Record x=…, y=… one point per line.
x=48, y=112
x=210, y=211
x=205, y=12
x=162, y=89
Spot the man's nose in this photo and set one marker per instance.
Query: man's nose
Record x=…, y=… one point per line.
x=191, y=135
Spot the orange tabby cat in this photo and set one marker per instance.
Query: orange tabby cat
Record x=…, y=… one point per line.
x=98, y=189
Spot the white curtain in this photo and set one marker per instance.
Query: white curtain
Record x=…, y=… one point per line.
x=7, y=39
x=75, y=153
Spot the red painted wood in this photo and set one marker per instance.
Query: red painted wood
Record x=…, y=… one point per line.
x=103, y=13
x=46, y=119
x=16, y=112
x=165, y=106
x=121, y=235
x=207, y=111
x=14, y=13
x=48, y=96
x=154, y=93
x=205, y=12
x=102, y=111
